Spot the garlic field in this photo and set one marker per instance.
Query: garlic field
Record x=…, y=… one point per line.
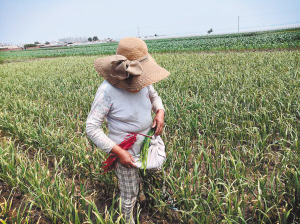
x=232, y=130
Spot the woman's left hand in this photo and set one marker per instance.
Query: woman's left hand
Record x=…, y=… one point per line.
x=158, y=122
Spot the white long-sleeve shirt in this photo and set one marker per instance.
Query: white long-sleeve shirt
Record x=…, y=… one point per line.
x=125, y=112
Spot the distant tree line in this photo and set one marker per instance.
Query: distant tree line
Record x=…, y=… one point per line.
x=29, y=45
x=95, y=38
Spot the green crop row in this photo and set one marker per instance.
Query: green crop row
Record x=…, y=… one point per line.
x=232, y=137
x=233, y=42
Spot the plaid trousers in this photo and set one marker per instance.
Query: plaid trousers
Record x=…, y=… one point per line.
x=129, y=187
x=129, y=184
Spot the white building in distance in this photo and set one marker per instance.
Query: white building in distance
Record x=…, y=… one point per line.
x=73, y=39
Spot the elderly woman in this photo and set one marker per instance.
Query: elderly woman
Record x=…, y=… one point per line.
x=126, y=99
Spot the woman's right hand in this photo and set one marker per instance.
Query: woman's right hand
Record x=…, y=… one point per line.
x=125, y=158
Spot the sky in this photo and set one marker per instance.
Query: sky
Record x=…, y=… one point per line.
x=27, y=21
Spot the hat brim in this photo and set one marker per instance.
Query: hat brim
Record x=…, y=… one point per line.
x=152, y=73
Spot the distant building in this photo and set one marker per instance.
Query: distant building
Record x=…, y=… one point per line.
x=109, y=40
x=13, y=47
x=52, y=45
x=10, y=48
x=73, y=39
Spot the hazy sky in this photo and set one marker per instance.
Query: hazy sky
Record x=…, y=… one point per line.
x=26, y=21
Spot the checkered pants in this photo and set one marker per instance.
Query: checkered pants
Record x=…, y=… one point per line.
x=129, y=187
x=129, y=183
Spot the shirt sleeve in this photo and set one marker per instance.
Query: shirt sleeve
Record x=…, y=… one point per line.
x=155, y=100
x=99, y=111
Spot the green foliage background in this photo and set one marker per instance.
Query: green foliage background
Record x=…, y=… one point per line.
x=232, y=137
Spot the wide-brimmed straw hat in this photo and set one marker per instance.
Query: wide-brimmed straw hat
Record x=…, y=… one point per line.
x=132, y=68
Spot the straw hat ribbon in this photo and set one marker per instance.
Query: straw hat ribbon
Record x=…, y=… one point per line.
x=124, y=67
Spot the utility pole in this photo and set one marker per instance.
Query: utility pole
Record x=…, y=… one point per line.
x=138, y=32
x=238, y=24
